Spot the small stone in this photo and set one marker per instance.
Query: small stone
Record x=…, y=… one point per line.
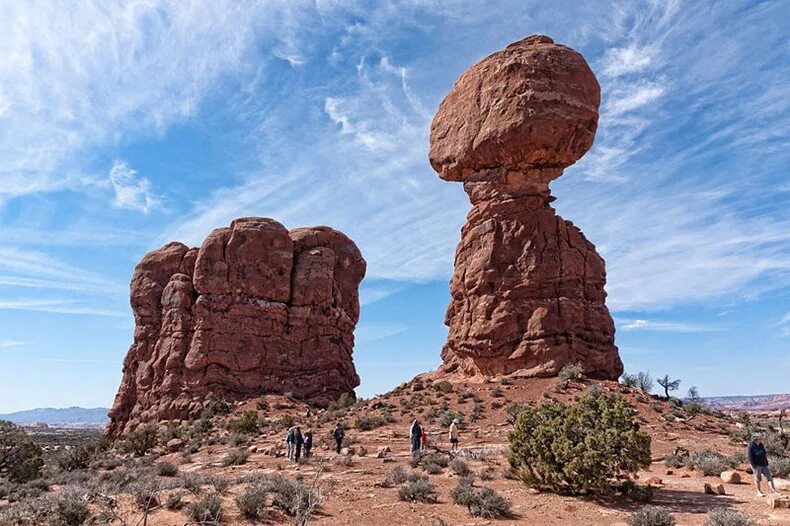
x=654, y=481
x=670, y=472
x=174, y=444
x=731, y=477
x=383, y=452
x=708, y=489
x=779, y=501
x=720, y=489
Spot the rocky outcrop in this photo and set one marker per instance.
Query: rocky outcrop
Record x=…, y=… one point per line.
x=528, y=287
x=256, y=309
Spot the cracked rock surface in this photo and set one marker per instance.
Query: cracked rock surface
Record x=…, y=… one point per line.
x=256, y=309
x=527, y=292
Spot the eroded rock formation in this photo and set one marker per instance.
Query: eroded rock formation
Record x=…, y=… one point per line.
x=528, y=287
x=256, y=309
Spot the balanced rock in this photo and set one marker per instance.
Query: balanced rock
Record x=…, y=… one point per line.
x=528, y=287
x=256, y=309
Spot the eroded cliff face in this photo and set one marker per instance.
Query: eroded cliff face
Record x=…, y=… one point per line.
x=528, y=287
x=256, y=309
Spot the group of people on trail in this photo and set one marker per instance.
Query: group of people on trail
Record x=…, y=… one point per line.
x=296, y=442
x=758, y=460
x=419, y=438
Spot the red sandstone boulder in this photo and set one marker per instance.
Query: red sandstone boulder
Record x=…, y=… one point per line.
x=528, y=288
x=257, y=309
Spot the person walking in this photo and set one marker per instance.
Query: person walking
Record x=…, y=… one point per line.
x=298, y=442
x=308, y=442
x=454, y=435
x=415, y=431
x=289, y=442
x=758, y=460
x=423, y=439
x=339, y=435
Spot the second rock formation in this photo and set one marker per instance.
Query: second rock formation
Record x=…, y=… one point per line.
x=528, y=287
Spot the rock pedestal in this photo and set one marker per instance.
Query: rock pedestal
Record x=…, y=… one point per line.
x=528, y=287
x=256, y=309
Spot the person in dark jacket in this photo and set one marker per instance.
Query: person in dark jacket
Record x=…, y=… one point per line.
x=415, y=433
x=339, y=435
x=298, y=443
x=758, y=460
x=289, y=441
x=308, y=442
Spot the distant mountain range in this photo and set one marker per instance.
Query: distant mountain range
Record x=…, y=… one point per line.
x=756, y=403
x=60, y=417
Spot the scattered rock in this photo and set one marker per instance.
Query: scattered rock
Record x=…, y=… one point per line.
x=711, y=490
x=749, y=470
x=654, y=481
x=255, y=309
x=731, y=477
x=708, y=489
x=174, y=444
x=348, y=451
x=670, y=472
x=779, y=501
x=383, y=452
x=528, y=287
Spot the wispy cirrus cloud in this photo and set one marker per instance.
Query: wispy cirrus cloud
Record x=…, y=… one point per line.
x=7, y=344
x=58, y=306
x=668, y=326
x=131, y=190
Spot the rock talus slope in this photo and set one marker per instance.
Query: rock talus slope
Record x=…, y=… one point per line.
x=528, y=287
x=256, y=309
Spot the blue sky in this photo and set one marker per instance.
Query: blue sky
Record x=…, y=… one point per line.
x=124, y=125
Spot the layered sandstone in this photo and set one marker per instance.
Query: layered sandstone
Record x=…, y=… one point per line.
x=528, y=287
x=256, y=309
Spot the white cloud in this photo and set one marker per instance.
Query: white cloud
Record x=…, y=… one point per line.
x=131, y=191
x=784, y=325
x=669, y=326
x=633, y=98
x=7, y=344
x=57, y=306
x=626, y=60
x=370, y=332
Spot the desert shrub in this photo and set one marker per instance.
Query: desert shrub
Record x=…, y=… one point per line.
x=215, y=406
x=245, y=423
x=487, y=473
x=261, y=404
x=477, y=412
x=497, y=392
x=635, y=492
x=170, y=431
x=238, y=439
x=435, y=458
x=71, y=511
x=444, y=387
x=464, y=396
x=77, y=457
x=775, y=444
x=20, y=457
x=345, y=401
x=577, y=448
x=780, y=467
x=292, y=497
x=417, y=490
x=396, y=475
x=235, y=457
x=572, y=371
x=481, y=502
x=140, y=441
x=206, y=509
x=710, y=462
x=725, y=517
x=432, y=468
x=220, y=484
x=676, y=459
x=651, y=516
x=166, y=469
x=447, y=417
x=628, y=380
x=368, y=422
x=145, y=493
x=175, y=501
x=191, y=482
x=459, y=467
x=252, y=502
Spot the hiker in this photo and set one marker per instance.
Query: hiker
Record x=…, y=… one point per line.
x=339, y=435
x=298, y=442
x=454, y=435
x=415, y=431
x=289, y=441
x=758, y=459
x=308, y=442
x=423, y=439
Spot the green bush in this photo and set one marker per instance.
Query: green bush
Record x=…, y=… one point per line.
x=572, y=371
x=780, y=467
x=292, y=497
x=235, y=457
x=206, y=509
x=78, y=457
x=397, y=475
x=71, y=511
x=368, y=422
x=513, y=410
x=20, y=457
x=578, y=448
x=725, y=517
x=245, y=423
x=216, y=406
x=651, y=516
x=140, y=441
x=443, y=387
x=175, y=501
x=252, y=502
